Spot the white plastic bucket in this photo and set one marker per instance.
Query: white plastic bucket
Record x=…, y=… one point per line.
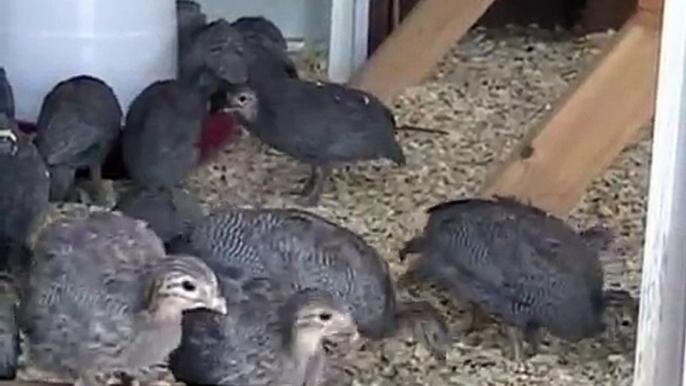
x=127, y=43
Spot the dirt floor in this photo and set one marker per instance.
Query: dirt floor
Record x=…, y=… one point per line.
x=488, y=92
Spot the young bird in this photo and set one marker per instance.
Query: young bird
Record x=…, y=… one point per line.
x=319, y=124
x=303, y=250
x=517, y=262
x=103, y=297
x=217, y=46
x=24, y=196
x=263, y=341
x=161, y=139
x=79, y=121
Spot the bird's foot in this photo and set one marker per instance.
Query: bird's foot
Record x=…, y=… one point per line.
x=518, y=340
x=477, y=318
x=104, y=195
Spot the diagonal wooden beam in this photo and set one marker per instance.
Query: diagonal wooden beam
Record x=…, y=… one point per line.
x=589, y=126
x=412, y=51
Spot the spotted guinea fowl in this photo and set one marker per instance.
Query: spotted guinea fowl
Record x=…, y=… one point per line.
x=103, y=298
x=79, y=121
x=304, y=250
x=517, y=262
x=217, y=46
x=266, y=339
x=6, y=95
x=266, y=51
x=168, y=211
x=24, y=196
x=160, y=143
x=320, y=124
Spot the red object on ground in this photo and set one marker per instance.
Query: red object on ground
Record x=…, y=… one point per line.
x=219, y=130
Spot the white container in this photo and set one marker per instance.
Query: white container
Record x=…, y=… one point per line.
x=127, y=43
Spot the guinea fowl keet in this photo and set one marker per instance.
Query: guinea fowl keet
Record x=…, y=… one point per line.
x=161, y=140
x=266, y=53
x=217, y=46
x=79, y=121
x=303, y=250
x=104, y=298
x=515, y=261
x=320, y=124
x=24, y=196
x=263, y=341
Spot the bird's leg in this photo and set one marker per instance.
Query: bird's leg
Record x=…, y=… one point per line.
x=101, y=194
x=313, y=188
x=532, y=335
x=477, y=317
x=517, y=342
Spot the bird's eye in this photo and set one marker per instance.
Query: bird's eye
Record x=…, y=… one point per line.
x=242, y=99
x=325, y=316
x=188, y=286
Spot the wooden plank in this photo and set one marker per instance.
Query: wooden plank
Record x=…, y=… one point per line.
x=651, y=5
x=662, y=317
x=589, y=126
x=412, y=51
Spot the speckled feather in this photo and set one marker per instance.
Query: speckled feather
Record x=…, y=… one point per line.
x=304, y=250
x=168, y=212
x=324, y=123
x=515, y=261
x=90, y=283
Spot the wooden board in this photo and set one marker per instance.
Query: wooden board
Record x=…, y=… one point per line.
x=589, y=126
x=651, y=5
x=412, y=51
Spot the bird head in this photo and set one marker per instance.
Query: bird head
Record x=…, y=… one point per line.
x=8, y=138
x=315, y=316
x=184, y=283
x=239, y=100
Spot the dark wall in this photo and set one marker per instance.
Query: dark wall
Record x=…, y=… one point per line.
x=590, y=15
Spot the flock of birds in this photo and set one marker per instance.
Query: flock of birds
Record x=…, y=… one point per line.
x=248, y=296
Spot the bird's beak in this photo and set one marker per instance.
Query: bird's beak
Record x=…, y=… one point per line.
x=229, y=109
x=219, y=305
